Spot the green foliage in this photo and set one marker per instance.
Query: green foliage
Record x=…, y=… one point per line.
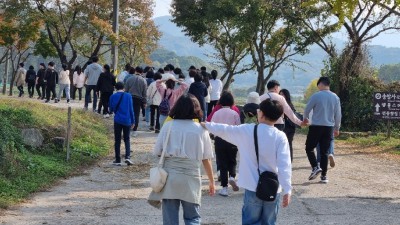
x=389, y=73
x=44, y=47
x=24, y=170
x=311, y=89
x=162, y=57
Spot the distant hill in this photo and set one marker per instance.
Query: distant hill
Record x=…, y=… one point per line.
x=297, y=80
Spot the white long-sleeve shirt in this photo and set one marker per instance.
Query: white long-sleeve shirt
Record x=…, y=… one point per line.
x=274, y=154
x=286, y=108
x=216, y=89
x=79, y=80
x=63, y=77
x=153, y=94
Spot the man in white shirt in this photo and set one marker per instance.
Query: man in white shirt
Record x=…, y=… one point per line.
x=216, y=90
x=273, y=93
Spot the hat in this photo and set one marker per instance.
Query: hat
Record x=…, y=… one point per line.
x=168, y=76
x=192, y=67
x=253, y=97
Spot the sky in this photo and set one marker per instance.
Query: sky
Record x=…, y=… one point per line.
x=386, y=39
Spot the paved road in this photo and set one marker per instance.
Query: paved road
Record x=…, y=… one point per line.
x=362, y=190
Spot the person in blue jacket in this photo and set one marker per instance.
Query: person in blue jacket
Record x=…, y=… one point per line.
x=122, y=106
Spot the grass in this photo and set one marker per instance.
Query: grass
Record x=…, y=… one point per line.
x=378, y=140
x=25, y=170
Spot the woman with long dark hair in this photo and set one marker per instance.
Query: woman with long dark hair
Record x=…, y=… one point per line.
x=188, y=146
x=290, y=127
x=64, y=83
x=105, y=85
x=79, y=82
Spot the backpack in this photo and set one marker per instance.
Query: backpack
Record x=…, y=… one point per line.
x=32, y=76
x=164, y=105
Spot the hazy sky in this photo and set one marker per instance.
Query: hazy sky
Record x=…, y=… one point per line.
x=389, y=39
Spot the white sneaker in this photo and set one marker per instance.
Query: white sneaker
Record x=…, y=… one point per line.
x=106, y=116
x=134, y=134
x=224, y=192
x=232, y=182
x=331, y=160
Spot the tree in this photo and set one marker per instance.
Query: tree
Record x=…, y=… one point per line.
x=310, y=90
x=215, y=23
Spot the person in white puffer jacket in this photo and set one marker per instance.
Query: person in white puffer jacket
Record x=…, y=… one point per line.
x=154, y=100
x=64, y=83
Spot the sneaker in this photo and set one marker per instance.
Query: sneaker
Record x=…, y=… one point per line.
x=232, y=182
x=106, y=116
x=128, y=162
x=331, y=160
x=324, y=179
x=67, y=101
x=115, y=163
x=47, y=101
x=134, y=134
x=151, y=128
x=314, y=173
x=157, y=131
x=224, y=192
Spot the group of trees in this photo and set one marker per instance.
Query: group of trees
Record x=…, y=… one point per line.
x=74, y=28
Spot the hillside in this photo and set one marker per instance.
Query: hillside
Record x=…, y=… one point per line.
x=297, y=79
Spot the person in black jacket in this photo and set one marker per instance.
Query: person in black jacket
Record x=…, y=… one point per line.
x=199, y=89
x=40, y=81
x=52, y=80
x=30, y=79
x=105, y=85
x=290, y=127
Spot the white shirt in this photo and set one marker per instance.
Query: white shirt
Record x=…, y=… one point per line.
x=152, y=93
x=122, y=76
x=79, y=80
x=189, y=81
x=207, y=99
x=274, y=153
x=63, y=78
x=216, y=90
x=187, y=139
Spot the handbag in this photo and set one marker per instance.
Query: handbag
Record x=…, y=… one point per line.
x=268, y=184
x=158, y=176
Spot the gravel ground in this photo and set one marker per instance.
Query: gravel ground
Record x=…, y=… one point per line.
x=363, y=189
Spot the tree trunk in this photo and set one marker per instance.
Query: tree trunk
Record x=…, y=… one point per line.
x=260, y=88
x=228, y=80
x=10, y=93
x=5, y=78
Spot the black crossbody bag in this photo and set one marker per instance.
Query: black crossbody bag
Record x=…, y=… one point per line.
x=268, y=184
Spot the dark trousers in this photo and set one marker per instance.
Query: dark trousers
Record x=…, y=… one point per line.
x=323, y=136
x=79, y=93
x=21, y=90
x=290, y=135
x=137, y=104
x=42, y=94
x=226, y=154
x=280, y=127
x=118, y=129
x=211, y=106
x=52, y=90
x=31, y=88
x=89, y=89
x=154, y=111
x=143, y=110
x=104, y=99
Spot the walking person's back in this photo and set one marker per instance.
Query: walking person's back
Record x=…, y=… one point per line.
x=92, y=73
x=105, y=85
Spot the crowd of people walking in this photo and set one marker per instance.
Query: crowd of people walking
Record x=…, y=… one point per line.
x=188, y=112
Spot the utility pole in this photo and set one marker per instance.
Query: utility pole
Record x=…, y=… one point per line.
x=114, y=50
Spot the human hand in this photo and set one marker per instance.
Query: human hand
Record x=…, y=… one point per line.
x=305, y=122
x=203, y=125
x=211, y=188
x=286, y=200
x=336, y=133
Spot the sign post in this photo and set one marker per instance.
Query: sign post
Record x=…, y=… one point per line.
x=387, y=107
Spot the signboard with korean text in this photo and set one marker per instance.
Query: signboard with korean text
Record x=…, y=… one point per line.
x=387, y=106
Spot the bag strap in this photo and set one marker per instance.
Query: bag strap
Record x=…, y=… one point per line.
x=256, y=147
x=154, y=94
x=161, y=162
x=119, y=102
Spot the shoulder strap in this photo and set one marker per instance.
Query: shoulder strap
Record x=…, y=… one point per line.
x=161, y=162
x=270, y=97
x=119, y=102
x=170, y=95
x=256, y=147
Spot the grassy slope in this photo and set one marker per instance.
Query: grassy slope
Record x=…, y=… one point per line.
x=27, y=170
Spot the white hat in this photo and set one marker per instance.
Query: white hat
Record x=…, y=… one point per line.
x=253, y=97
x=168, y=76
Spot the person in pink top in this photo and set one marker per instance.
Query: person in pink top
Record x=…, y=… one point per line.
x=169, y=92
x=226, y=152
x=218, y=107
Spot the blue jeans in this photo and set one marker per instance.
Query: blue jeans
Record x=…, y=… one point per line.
x=162, y=120
x=118, y=129
x=147, y=113
x=330, y=150
x=258, y=212
x=170, y=212
x=90, y=88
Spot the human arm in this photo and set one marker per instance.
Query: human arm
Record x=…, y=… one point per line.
x=182, y=88
x=209, y=171
x=310, y=105
x=232, y=134
x=161, y=89
x=338, y=118
x=284, y=164
x=289, y=112
x=131, y=112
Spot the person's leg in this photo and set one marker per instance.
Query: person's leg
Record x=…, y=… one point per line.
x=137, y=103
x=30, y=89
x=87, y=96
x=38, y=91
x=157, y=119
x=232, y=163
x=94, y=103
x=325, y=143
x=21, y=90
x=103, y=96
x=270, y=211
x=60, y=91
x=222, y=153
x=252, y=209
x=191, y=213
x=126, y=130
x=290, y=137
x=170, y=211
x=162, y=120
x=80, y=93
x=117, y=141
x=107, y=100
x=147, y=113
x=280, y=126
x=152, y=115
x=143, y=110
x=48, y=94
x=68, y=92
x=53, y=92
x=313, y=136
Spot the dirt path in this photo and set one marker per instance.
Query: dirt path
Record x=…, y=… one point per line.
x=362, y=190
